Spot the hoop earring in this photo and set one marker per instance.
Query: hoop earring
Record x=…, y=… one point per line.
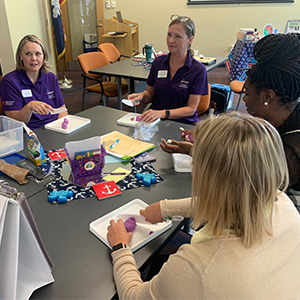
x=266, y=103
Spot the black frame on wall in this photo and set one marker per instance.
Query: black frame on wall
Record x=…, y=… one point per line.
x=194, y=2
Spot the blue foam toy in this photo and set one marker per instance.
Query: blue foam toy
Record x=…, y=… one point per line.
x=60, y=196
x=147, y=178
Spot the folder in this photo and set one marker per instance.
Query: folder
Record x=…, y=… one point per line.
x=24, y=263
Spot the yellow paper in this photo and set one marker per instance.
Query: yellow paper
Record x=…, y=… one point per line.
x=126, y=146
x=117, y=178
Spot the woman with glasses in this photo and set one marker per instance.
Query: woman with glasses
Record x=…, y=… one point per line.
x=30, y=93
x=249, y=247
x=272, y=91
x=176, y=81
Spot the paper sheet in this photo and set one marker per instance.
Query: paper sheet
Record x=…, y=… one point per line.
x=126, y=146
x=110, y=159
x=117, y=178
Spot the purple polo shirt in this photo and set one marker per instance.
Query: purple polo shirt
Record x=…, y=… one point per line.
x=17, y=90
x=190, y=79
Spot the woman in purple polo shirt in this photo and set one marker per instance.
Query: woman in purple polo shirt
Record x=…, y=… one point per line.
x=31, y=92
x=176, y=81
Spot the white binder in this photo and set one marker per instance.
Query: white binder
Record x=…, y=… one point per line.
x=24, y=263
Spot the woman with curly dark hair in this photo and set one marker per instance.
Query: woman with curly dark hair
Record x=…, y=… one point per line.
x=272, y=90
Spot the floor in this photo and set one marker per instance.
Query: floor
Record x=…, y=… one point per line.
x=73, y=96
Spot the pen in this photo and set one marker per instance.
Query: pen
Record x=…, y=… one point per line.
x=115, y=173
x=114, y=144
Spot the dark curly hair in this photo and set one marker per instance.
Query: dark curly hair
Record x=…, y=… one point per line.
x=278, y=66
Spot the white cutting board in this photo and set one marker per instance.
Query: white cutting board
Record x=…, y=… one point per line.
x=141, y=235
x=75, y=123
x=126, y=120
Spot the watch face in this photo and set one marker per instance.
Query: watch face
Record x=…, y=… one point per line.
x=117, y=247
x=167, y=113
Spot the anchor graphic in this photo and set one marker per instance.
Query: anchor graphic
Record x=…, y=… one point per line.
x=108, y=190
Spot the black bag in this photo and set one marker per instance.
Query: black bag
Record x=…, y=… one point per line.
x=219, y=97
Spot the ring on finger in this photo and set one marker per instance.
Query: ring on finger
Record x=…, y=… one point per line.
x=152, y=116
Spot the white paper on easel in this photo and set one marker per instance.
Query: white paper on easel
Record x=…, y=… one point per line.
x=23, y=265
x=3, y=207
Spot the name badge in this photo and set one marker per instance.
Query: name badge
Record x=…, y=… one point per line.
x=26, y=93
x=162, y=74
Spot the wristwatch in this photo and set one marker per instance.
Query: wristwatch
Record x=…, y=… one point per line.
x=167, y=114
x=119, y=246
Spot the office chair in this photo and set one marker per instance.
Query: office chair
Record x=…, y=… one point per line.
x=111, y=51
x=204, y=103
x=92, y=60
x=237, y=87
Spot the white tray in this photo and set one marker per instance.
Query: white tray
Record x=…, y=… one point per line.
x=75, y=123
x=127, y=122
x=140, y=235
x=182, y=162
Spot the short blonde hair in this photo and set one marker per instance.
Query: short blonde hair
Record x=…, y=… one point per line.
x=34, y=39
x=239, y=165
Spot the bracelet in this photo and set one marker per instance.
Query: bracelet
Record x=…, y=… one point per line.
x=119, y=246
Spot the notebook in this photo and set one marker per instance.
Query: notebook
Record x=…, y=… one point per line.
x=206, y=60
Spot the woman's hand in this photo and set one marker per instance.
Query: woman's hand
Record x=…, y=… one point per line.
x=152, y=115
x=116, y=233
x=136, y=98
x=152, y=213
x=176, y=147
x=40, y=107
x=187, y=135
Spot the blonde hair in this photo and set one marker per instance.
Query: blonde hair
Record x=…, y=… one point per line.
x=239, y=165
x=34, y=39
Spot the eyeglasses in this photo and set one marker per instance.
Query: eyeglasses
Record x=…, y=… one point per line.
x=180, y=18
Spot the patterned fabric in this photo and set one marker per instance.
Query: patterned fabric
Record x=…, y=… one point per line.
x=130, y=182
x=80, y=192
x=241, y=57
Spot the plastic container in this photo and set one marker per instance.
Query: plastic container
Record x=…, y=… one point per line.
x=11, y=136
x=88, y=170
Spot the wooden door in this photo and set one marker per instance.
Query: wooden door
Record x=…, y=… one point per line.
x=99, y=23
x=65, y=21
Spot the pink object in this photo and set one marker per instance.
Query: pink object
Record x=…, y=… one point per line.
x=138, y=118
x=132, y=119
x=65, y=123
x=151, y=232
x=130, y=224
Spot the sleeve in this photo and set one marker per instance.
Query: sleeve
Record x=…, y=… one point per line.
x=291, y=145
x=169, y=283
x=200, y=83
x=170, y=208
x=11, y=96
x=59, y=97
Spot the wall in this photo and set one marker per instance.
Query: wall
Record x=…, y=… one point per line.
x=215, y=24
x=17, y=19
